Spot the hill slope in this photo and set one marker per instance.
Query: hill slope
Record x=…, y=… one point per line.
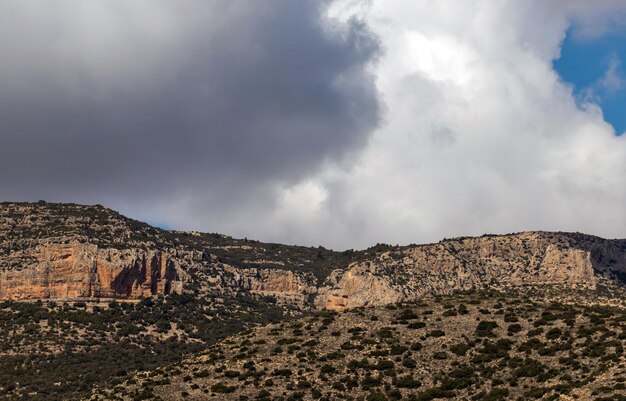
x=476, y=347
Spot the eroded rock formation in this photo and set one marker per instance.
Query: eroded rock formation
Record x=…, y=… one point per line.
x=79, y=270
x=525, y=259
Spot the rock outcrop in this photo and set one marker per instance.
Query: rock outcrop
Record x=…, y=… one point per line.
x=286, y=286
x=60, y=251
x=525, y=259
x=79, y=270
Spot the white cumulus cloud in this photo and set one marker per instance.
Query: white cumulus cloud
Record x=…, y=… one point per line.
x=480, y=133
x=338, y=123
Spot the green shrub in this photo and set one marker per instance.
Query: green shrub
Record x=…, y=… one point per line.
x=221, y=388
x=485, y=328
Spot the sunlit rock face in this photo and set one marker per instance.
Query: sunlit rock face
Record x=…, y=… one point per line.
x=518, y=260
x=77, y=270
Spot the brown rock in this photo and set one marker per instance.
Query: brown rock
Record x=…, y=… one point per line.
x=77, y=270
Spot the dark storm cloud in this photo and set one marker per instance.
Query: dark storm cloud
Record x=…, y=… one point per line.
x=127, y=101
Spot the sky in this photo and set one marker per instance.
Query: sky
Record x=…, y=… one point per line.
x=593, y=65
x=341, y=123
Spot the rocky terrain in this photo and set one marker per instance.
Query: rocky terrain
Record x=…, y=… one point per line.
x=65, y=251
x=88, y=297
x=474, y=347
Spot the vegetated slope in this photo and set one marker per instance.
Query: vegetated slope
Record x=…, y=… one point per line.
x=463, y=347
x=58, y=351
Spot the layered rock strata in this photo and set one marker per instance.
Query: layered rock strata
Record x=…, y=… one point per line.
x=60, y=251
x=78, y=270
x=525, y=259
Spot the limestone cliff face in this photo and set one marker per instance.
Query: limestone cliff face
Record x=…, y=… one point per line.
x=564, y=266
x=287, y=287
x=82, y=270
x=459, y=265
x=359, y=285
x=78, y=270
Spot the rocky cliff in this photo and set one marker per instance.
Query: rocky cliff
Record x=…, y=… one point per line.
x=62, y=251
x=82, y=270
x=525, y=259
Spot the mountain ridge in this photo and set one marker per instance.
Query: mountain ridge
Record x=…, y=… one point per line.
x=70, y=251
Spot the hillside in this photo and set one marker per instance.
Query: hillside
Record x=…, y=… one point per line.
x=64, y=251
x=482, y=347
x=68, y=251
x=88, y=297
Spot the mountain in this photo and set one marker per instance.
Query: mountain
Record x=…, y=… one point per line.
x=74, y=252
x=88, y=297
x=67, y=251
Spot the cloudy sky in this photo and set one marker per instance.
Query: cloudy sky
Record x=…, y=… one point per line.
x=338, y=123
